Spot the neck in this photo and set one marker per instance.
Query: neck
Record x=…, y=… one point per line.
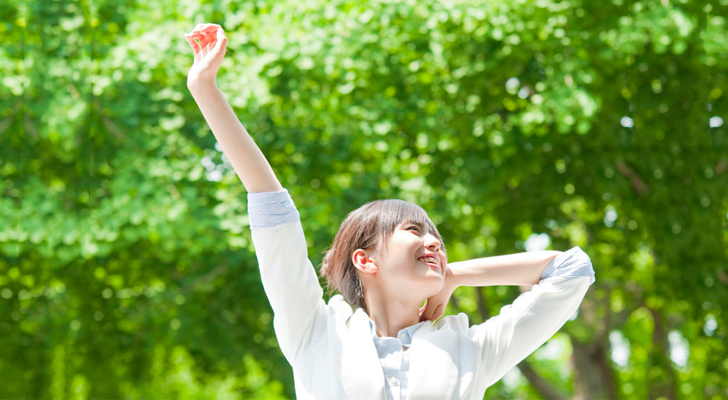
x=393, y=314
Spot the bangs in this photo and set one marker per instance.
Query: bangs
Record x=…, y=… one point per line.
x=394, y=212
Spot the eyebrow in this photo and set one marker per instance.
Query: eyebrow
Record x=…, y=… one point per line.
x=417, y=224
x=421, y=226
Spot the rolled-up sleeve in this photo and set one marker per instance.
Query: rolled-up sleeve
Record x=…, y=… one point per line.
x=569, y=264
x=269, y=209
x=535, y=316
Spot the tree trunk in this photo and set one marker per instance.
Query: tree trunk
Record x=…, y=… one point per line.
x=593, y=375
x=661, y=380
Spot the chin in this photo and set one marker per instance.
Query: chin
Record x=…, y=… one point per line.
x=437, y=275
x=436, y=283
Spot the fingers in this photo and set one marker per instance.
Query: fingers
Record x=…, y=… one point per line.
x=206, y=38
x=191, y=40
x=436, y=313
x=426, y=315
x=209, y=36
x=211, y=27
x=207, y=29
x=221, y=40
x=432, y=314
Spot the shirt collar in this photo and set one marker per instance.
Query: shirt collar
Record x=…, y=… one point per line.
x=404, y=335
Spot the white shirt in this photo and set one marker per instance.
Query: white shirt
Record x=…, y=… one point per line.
x=394, y=359
x=331, y=347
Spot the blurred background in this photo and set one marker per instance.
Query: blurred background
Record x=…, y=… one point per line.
x=126, y=266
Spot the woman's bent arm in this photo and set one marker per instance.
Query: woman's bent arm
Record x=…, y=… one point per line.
x=514, y=269
x=536, y=315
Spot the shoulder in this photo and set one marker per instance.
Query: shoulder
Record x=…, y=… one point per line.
x=338, y=302
x=341, y=309
x=458, y=322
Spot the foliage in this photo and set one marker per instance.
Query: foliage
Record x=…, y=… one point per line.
x=127, y=269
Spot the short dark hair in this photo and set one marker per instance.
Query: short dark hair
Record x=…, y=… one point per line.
x=367, y=227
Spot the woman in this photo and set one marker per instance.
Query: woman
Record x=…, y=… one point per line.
x=387, y=259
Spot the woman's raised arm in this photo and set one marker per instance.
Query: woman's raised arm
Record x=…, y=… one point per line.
x=289, y=279
x=208, y=44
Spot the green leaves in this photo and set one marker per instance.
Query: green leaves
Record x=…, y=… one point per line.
x=127, y=269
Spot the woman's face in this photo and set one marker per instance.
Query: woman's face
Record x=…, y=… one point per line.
x=413, y=255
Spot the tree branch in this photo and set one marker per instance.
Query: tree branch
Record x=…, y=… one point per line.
x=482, y=305
x=454, y=304
x=723, y=277
x=663, y=387
x=542, y=386
x=604, y=328
x=639, y=185
x=109, y=124
x=5, y=123
x=30, y=128
x=204, y=279
x=720, y=167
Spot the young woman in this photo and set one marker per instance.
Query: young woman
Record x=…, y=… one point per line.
x=386, y=259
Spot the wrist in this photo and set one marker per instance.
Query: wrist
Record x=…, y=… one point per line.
x=452, y=279
x=198, y=85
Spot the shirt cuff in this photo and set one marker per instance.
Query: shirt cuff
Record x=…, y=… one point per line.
x=571, y=263
x=269, y=209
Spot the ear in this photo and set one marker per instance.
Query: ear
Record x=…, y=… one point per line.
x=363, y=261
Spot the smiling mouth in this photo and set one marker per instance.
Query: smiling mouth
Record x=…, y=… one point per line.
x=430, y=262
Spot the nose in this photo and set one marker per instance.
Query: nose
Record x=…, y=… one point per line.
x=431, y=242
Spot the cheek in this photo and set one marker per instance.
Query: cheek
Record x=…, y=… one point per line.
x=404, y=244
